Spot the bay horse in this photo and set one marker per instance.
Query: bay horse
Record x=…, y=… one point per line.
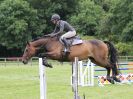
x=101, y=53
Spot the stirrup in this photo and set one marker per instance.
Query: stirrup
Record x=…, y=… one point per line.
x=66, y=50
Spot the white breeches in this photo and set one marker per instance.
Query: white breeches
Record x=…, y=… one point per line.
x=68, y=34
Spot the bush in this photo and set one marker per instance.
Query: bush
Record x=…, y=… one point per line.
x=124, y=48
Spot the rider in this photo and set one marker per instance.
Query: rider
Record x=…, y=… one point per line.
x=60, y=27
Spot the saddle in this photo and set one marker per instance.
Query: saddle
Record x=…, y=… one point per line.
x=70, y=42
x=76, y=40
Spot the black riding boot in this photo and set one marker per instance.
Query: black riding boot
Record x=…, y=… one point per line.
x=67, y=49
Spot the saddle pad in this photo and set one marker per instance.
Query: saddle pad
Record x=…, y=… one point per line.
x=77, y=41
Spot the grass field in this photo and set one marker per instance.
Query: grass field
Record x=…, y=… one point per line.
x=22, y=82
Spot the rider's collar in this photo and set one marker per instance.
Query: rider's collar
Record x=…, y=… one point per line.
x=58, y=22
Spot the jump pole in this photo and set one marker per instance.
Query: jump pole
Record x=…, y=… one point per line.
x=75, y=78
x=42, y=80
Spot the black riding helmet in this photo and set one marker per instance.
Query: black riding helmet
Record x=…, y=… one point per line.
x=55, y=17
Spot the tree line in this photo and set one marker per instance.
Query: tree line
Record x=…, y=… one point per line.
x=24, y=20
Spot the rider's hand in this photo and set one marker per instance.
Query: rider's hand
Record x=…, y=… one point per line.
x=52, y=35
x=49, y=35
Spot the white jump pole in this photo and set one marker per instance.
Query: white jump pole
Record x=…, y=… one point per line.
x=75, y=78
x=92, y=74
x=81, y=78
x=42, y=80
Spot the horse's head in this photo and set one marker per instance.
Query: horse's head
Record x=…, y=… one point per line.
x=38, y=46
x=29, y=52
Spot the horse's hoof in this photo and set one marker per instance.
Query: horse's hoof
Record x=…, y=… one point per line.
x=49, y=65
x=116, y=79
x=111, y=80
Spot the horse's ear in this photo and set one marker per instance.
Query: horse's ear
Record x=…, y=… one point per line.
x=28, y=43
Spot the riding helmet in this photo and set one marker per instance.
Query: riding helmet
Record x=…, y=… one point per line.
x=55, y=17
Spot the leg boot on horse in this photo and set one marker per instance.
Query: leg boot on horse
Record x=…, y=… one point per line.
x=110, y=79
x=45, y=63
x=115, y=73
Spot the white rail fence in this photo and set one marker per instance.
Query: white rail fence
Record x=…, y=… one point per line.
x=9, y=61
x=16, y=61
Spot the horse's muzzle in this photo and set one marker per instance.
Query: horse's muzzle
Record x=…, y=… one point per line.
x=24, y=61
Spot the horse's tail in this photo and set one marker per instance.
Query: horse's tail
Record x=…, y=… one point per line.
x=113, y=55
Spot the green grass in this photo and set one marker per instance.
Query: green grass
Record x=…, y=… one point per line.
x=22, y=82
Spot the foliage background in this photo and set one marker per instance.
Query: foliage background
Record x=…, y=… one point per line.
x=24, y=20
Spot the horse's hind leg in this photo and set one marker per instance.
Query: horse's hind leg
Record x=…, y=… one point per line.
x=103, y=62
x=114, y=73
x=110, y=79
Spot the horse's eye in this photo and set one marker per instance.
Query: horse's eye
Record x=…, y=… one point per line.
x=26, y=50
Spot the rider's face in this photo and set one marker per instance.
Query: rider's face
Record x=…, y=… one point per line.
x=54, y=21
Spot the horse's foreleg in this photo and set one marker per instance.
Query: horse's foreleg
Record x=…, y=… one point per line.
x=43, y=54
x=48, y=54
x=45, y=63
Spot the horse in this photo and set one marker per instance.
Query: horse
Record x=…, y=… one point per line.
x=101, y=53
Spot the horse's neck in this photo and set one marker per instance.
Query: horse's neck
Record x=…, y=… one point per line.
x=40, y=42
x=53, y=44
x=48, y=43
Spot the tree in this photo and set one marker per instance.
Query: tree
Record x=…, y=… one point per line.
x=46, y=8
x=87, y=17
x=118, y=23
x=122, y=20
x=106, y=4
x=18, y=23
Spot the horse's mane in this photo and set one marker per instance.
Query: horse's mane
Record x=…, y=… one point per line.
x=37, y=38
x=45, y=36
